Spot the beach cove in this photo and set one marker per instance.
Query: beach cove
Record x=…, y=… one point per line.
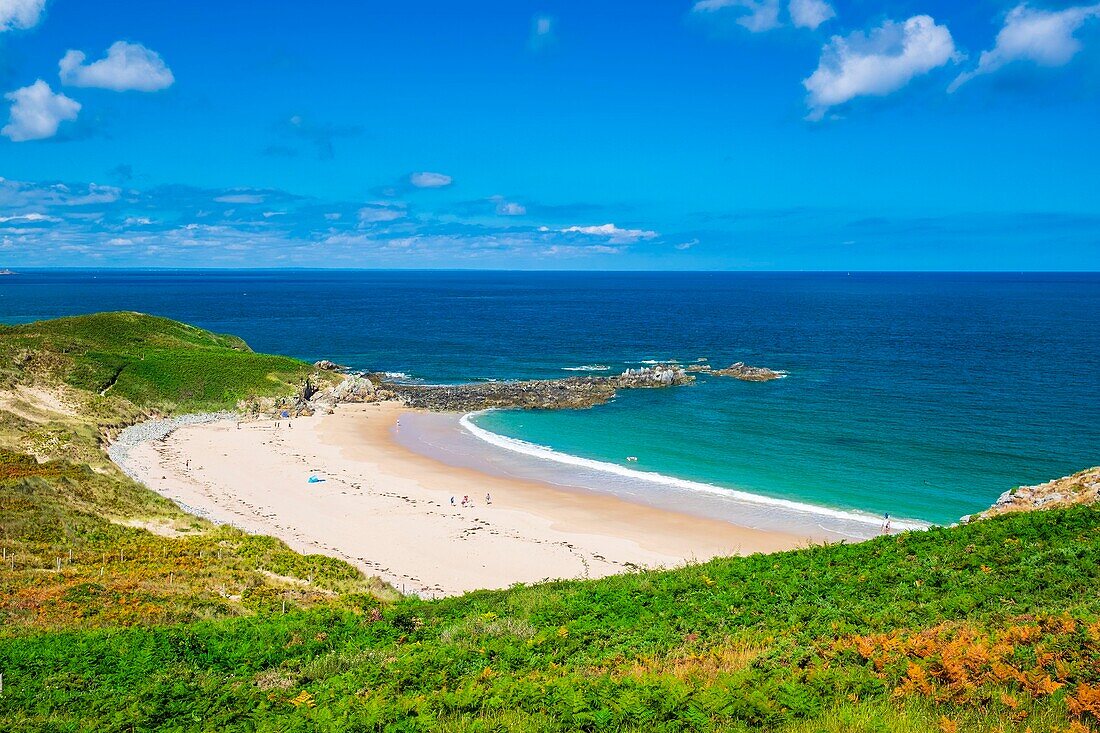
x=387, y=509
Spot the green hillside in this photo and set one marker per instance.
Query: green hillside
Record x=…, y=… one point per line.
x=992, y=626
x=151, y=362
x=82, y=544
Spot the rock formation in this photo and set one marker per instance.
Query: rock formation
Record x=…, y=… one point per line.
x=740, y=370
x=1080, y=488
x=538, y=394
x=329, y=366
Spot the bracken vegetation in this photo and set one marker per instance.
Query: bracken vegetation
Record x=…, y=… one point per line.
x=992, y=626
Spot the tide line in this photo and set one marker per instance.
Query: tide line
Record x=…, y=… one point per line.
x=549, y=454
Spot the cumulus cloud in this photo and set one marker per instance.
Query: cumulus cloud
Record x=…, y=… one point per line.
x=20, y=14
x=1040, y=36
x=36, y=112
x=427, y=179
x=756, y=15
x=877, y=63
x=810, y=13
x=614, y=234
x=381, y=212
x=508, y=208
x=127, y=67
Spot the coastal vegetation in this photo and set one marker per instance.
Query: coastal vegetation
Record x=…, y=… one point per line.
x=158, y=620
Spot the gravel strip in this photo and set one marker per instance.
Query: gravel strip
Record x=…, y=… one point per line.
x=135, y=435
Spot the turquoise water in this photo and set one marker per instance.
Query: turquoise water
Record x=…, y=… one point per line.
x=924, y=395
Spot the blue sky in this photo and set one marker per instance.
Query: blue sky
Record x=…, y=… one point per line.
x=681, y=134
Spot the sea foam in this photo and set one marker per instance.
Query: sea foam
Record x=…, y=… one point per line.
x=549, y=454
x=588, y=368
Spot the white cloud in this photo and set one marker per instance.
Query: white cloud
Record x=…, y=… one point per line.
x=614, y=234
x=20, y=14
x=687, y=245
x=567, y=250
x=759, y=15
x=878, y=63
x=810, y=13
x=240, y=198
x=510, y=208
x=33, y=217
x=36, y=112
x=382, y=212
x=1041, y=36
x=427, y=179
x=127, y=67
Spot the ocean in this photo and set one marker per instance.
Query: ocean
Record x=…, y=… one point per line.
x=921, y=395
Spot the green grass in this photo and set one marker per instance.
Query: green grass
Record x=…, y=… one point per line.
x=151, y=362
x=989, y=627
x=784, y=642
x=61, y=499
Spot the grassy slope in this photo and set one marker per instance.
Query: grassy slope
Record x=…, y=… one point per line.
x=150, y=362
x=59, y=494
x=987, y=627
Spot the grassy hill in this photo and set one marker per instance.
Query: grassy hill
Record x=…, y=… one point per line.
x=150, y=362
x=83, y=545
x=992, y=626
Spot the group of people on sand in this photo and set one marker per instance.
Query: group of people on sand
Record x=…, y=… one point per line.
x=467, y=501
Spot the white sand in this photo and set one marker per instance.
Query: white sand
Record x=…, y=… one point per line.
x=387, y=509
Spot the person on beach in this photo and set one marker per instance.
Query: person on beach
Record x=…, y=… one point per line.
x=488, y=499
x=465, y=500
x=452, y=501
x=886, y=523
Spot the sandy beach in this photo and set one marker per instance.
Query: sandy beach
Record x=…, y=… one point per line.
x=388, y=509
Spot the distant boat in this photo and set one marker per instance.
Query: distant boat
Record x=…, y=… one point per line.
x=632, y=458
x=7, y=272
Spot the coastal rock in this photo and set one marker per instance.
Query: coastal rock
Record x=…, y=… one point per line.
x=1080, y=488
x=329, y=366
x=539, y=394
x=747, y=373
x=663, y=375
x=354, y=388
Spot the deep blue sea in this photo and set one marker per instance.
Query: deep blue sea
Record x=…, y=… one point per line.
x=924, y=395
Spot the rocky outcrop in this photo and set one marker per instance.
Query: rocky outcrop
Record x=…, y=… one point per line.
x=740, y=370
x=354, y=388
x=1080, y=488
x=329, y=366
x=662, y=375
x=312, y=398
x=538, y=394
